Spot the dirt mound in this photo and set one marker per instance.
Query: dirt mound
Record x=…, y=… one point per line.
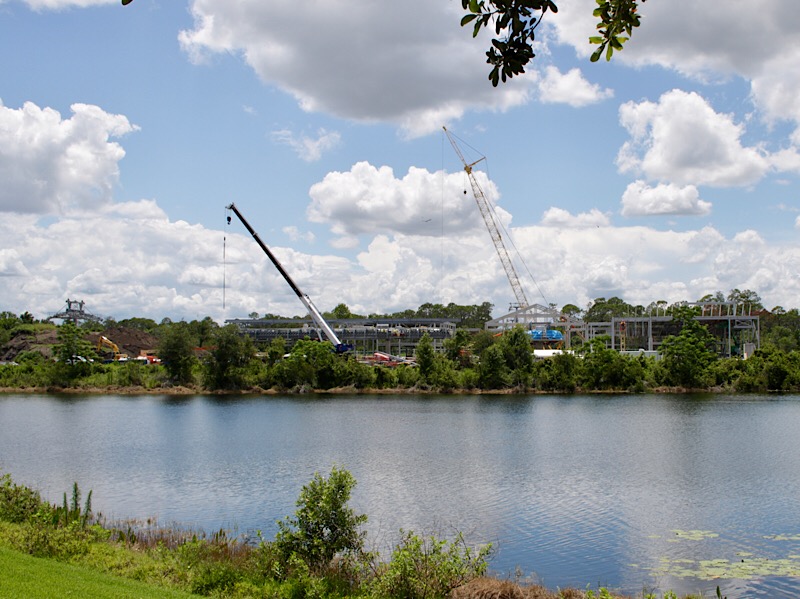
x=40, y=341
x=130, y=341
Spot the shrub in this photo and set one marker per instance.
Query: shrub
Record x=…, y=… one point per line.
x=323, y=525
x=17, y=503
x=429, y=568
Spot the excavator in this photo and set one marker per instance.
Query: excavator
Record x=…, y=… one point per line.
x=104, y=343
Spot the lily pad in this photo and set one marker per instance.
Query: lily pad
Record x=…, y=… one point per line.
x=695, y=535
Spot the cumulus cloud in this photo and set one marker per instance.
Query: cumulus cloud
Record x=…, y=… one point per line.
x=308, y=148
x=709, y=41
x=640, y=199
x=53, y=165
x=558, y=217
x=363, y=63
x=682, y=139
x=296, y=235
x=369, y=199
x=132, y=260
x=570, y=88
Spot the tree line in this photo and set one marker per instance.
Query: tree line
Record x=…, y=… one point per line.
x=204, y=355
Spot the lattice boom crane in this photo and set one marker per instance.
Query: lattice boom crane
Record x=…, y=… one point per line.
x=494, y=231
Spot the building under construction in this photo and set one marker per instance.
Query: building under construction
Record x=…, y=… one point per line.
x=395, y=336
x=735, y=330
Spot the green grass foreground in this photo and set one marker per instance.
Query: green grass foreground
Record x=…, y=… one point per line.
x=27, y=577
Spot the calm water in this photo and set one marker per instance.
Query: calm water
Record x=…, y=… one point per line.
x=631, y=492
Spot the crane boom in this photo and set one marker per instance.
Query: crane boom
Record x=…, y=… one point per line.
x=494, y=231
x=315, y=314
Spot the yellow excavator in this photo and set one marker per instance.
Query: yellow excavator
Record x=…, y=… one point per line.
x=104, y=343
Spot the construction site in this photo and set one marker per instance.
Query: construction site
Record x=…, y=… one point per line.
x=734, y=328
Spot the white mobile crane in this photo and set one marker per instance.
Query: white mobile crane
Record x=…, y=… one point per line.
x=489, y=218
x=315, y=314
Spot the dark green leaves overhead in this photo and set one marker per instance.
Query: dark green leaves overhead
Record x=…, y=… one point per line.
x=617, y=17
x=515, y=23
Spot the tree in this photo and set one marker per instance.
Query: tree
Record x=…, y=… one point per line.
x=750, y=300
x=515, y=23
x=204, y=330
x=425, y=357
x=73, y=348
x=687, y=355
x=492, y=370
x=341, y=312
x=148, y=325
x=602, y=367
x=323, y=525
x=225, y=366
x=176, y=351
x=457, y=348
x=603, y=310
x=517, y=350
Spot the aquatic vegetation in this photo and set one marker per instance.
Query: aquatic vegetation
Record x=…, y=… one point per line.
x=744, y=565
x=694, y=535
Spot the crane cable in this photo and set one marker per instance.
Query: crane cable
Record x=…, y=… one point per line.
x=224, y=258
x=511, y=239
x=499, y=223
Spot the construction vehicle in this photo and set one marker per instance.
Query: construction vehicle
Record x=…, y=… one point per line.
x=494, y=230
x=104, y=343
x=315, y=314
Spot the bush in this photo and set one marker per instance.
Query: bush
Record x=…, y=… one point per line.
x=429, y=568
x=323, y=526
x=17, y=503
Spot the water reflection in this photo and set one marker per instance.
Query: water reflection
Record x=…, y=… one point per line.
x=578, y=490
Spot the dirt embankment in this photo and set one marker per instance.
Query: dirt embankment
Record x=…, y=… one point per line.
x=40, y=341
x=130, y=341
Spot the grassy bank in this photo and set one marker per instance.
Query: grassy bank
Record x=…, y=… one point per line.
x=59, y=550
x=27, y=577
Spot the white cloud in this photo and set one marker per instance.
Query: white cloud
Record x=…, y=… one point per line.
x=369, y=199
x=54, y=165
x=640, y=199
x=570, y=88
x=308, y=148
x=132, y=260
x=363, y=63
x=709, y=41
x=295, y=234
x=682, y=139
x=558, y=217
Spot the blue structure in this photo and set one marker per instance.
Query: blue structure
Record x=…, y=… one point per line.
x=542, y=334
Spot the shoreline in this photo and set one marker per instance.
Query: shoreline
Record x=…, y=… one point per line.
x=179, y=390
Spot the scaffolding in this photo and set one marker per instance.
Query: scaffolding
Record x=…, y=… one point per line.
x=736, y=332
x=396, y=336
x=75, y=313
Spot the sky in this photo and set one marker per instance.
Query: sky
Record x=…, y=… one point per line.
x=667, y=174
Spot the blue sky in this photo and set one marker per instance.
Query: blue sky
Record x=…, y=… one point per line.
x=668, y=174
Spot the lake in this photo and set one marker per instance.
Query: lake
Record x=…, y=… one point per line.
x=657, y=492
